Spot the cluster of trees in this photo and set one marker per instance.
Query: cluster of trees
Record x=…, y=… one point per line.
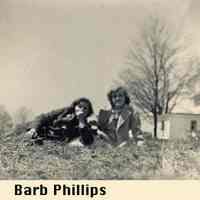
x=160, y=70
x=8, y=121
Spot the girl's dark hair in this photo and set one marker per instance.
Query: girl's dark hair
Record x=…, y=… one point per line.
x=85, y=100
x=112, y=92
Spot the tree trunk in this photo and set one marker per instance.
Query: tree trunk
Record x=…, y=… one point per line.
x=155, y=119
x=155, y=110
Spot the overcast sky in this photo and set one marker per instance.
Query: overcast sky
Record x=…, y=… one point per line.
x=52, y=52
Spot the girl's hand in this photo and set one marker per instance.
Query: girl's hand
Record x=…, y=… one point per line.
x=82, y=120
x=31, y=134
x=140, y=143
x=122, y=144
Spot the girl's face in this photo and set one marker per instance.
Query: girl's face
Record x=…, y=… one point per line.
x=82, y=109
x=118, y=99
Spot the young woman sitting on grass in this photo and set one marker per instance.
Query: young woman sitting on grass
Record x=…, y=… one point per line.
x=70, y=123
x=121, y=124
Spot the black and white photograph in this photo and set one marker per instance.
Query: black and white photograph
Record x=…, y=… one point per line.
x=99, y=90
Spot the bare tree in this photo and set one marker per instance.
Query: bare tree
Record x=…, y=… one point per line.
x=159, y=69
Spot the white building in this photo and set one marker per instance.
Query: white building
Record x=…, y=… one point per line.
x=175, y=125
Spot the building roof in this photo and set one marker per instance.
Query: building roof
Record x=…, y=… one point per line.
x=168, y=115
x=184, y=114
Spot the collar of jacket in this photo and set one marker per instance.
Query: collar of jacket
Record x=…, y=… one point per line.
x=126, y=112
x=123, y=116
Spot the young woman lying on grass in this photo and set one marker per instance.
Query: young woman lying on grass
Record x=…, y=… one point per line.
x=121, y=124
x=70, y=124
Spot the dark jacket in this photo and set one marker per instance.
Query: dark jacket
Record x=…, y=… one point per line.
x=118, y=133
x=61, y=124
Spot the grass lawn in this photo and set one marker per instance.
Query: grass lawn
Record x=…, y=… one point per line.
x=54, y=160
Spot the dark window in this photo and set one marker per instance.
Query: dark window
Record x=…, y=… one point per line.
x=193, y=125
x=163, y=125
